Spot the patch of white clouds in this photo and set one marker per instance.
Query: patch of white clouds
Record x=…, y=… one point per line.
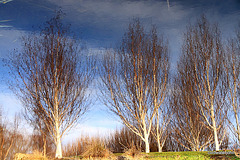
x=100, y=128
x=10, y=104
x=98, y=122
x=11, y=108
x=4, y=26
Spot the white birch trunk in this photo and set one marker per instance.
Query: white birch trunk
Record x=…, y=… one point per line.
x=58, y=145
x=214, y=129
x=237, y=123
x=58, y=141
x=159, y=145
x=159, y=148
x=147, y=149
x=146, y=136
x=216, y=139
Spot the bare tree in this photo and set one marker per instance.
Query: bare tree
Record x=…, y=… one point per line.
x=51, y=79
x=11, y=140
x=232, y=70
x=190, y=130
x=203, y=44
x=21, y=139
x=7, y=139
x=135, y=79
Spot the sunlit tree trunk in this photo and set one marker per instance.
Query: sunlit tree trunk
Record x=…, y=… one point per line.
x=238, y=127
x=214, y=129
x=58, y=143
x=147, y=144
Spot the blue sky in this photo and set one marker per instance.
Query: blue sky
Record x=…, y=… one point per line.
x=100, y=24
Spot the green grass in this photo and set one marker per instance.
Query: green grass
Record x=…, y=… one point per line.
x=188, y=155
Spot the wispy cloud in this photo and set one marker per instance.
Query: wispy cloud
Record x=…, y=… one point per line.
x=103, y=22
x=5, y=1
x=122, y=11
x=87, y=130
x=5, y=21
x=4, y=26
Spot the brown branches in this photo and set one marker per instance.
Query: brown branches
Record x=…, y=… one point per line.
x=135, y=78
x=52, y=78
x=202, y=62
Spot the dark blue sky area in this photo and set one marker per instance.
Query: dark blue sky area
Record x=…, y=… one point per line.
x=102, y=23
x=23, y=14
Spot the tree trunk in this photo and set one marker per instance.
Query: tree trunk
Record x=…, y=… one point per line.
x=44, y=145
x=147, y=149
x=216, y=139
x=159, y=148
x=58, y=144
x=6, y=154
x=214, y=129
x=237, y=123
x=147, y=146
x=159, y=145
